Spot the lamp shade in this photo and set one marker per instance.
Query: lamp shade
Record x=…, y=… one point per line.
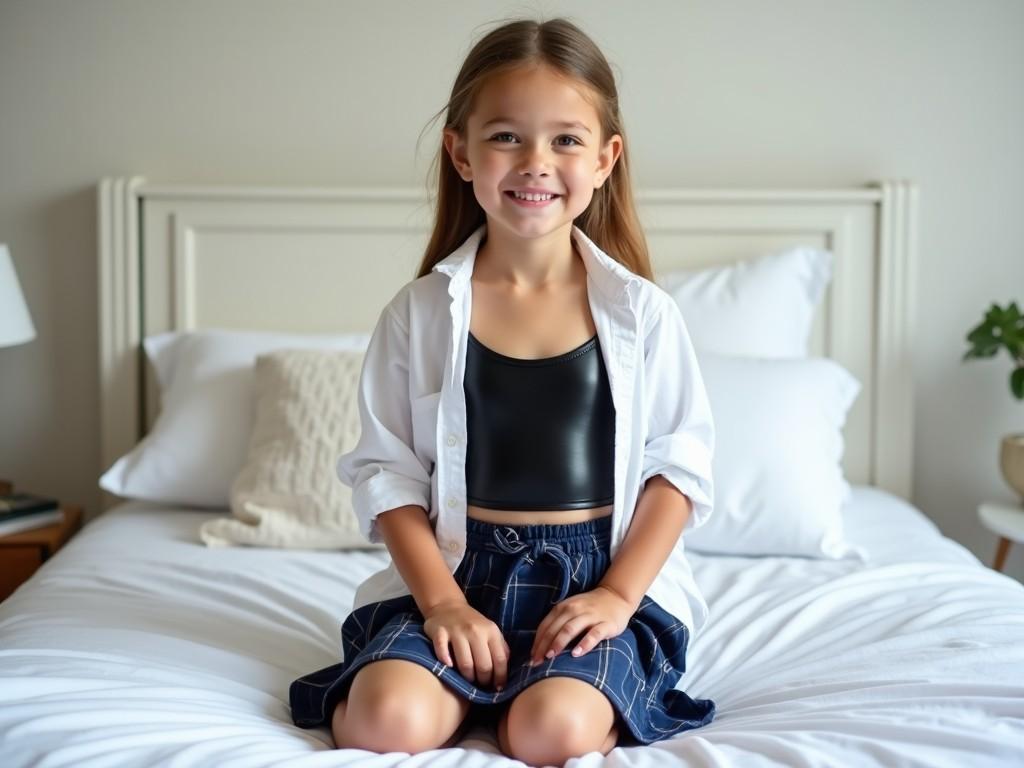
x=15, y=322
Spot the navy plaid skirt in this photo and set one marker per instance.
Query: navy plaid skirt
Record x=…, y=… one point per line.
x=514, y=575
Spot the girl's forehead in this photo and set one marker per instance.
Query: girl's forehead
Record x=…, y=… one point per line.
x=534, y=94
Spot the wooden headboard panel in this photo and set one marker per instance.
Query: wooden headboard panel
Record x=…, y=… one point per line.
x=327, y=260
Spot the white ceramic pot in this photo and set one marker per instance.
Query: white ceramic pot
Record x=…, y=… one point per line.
x=1011, y=461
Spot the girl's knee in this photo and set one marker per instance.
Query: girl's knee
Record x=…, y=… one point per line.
x=337, y=721
x=385, y=712
x=556, y=726
x=554, y=740
x=387, y=722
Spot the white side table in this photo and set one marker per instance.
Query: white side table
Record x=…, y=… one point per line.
x=1005, y=519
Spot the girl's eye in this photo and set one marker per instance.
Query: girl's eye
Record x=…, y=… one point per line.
x=574, y=140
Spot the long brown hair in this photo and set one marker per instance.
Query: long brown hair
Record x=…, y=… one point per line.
x=610, y=220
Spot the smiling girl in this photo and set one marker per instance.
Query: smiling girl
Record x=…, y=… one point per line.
x=536, y=438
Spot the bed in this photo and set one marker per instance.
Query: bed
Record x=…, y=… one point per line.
x=138, y=645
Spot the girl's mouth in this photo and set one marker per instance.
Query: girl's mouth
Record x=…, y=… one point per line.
x=531, y=203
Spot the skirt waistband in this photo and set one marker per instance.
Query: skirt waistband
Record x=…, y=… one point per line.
x=572, y=538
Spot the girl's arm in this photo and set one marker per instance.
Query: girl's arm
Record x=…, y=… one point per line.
x=383, y=469
x=413, y=547
x=661, y=514
x=680, y=439
x=676, y=489
x=678, y=492
x=461, y=635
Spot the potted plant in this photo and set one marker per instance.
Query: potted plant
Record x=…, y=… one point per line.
x=1004, y=328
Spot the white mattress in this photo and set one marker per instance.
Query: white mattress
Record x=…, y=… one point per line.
x=138, y=645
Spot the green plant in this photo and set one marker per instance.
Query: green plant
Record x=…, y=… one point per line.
x=1001, y=328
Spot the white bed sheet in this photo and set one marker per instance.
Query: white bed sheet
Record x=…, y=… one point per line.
x=138, y=645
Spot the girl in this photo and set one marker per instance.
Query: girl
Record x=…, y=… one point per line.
x=535, y=439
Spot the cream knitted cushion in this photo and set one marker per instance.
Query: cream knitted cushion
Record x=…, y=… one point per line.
x=287, y=493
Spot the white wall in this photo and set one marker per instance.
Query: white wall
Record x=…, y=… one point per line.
x=794, y=93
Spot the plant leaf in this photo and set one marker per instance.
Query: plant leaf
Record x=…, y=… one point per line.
x=1017, y=383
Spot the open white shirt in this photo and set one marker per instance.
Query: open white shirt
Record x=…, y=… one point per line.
x=412, y=408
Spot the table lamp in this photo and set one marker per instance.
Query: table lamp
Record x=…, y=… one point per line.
x=15, y=322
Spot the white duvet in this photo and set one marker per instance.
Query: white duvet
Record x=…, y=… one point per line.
x=136, y=645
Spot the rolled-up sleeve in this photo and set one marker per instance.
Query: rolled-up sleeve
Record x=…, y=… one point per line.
x=680, y=429
x=383, y=470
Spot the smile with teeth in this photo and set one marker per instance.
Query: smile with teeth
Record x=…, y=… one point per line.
x=529, y=197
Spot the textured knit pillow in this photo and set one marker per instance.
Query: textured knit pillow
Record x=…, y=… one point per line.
x=198, y=444
x=287, y=493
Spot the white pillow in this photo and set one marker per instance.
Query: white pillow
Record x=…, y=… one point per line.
x=760, y=307
x=288, y=494
x=199, y=440
x=779, y=485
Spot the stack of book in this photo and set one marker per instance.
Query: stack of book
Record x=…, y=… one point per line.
x=25, y=511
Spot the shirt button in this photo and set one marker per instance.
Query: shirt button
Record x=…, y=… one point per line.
x=451, y=501
x=452, y=440
x=453, y=546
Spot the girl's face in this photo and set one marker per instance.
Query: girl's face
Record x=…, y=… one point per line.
x=532, y=129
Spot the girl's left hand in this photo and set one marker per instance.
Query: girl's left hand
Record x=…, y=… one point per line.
x=604, y=612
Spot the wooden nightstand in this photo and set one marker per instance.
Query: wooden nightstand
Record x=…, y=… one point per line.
x=1005, y=519
x=22, y=553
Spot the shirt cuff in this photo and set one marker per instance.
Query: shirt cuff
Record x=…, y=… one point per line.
x=696, y=489
x=383, y=491
x=685, y=462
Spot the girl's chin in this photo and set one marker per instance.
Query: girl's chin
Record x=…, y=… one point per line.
x=527, y=230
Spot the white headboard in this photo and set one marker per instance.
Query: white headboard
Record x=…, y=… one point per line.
x=327, y=260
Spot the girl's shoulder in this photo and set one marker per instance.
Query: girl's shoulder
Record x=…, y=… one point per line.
x=420, y=300
x=652, y=301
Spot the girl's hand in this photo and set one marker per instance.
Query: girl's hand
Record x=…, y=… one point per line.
x=480, y=648
x=604, y=612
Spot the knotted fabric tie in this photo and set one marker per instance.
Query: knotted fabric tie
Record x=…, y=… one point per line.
x=508, y=541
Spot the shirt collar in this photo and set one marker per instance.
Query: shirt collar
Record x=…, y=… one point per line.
x=613, y=279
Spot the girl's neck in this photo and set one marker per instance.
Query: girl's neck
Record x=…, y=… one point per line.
x=535, y=264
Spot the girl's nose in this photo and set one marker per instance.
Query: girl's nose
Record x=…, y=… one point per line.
x=535, y=161
x=534, y=169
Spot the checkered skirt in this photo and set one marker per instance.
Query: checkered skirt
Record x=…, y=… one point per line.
x=514, y=575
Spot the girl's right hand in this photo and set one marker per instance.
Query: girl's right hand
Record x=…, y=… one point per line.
x=480, y=648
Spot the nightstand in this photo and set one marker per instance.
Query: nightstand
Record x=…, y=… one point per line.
x=23, y=552
x=1006, y=519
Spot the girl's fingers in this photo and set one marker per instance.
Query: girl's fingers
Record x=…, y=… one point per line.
x=540, y=639
x=568, y=631
x=444, y=655
x=542, y=643
x=546, y=631
x=464, y=657
x=499, y=657
x=597, y=633
x=482, y=662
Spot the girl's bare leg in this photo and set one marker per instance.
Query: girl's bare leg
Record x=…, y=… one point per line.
x=542, y=725
x=396, y=705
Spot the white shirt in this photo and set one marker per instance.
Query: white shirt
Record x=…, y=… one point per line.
x=412, y=407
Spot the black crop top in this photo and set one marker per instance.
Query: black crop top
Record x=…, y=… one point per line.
x=541, y=433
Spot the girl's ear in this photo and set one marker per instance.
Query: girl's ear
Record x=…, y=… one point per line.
x=455, y=145
x=606, y=160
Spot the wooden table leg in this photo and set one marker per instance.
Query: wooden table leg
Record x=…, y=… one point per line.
x=1001, y=552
